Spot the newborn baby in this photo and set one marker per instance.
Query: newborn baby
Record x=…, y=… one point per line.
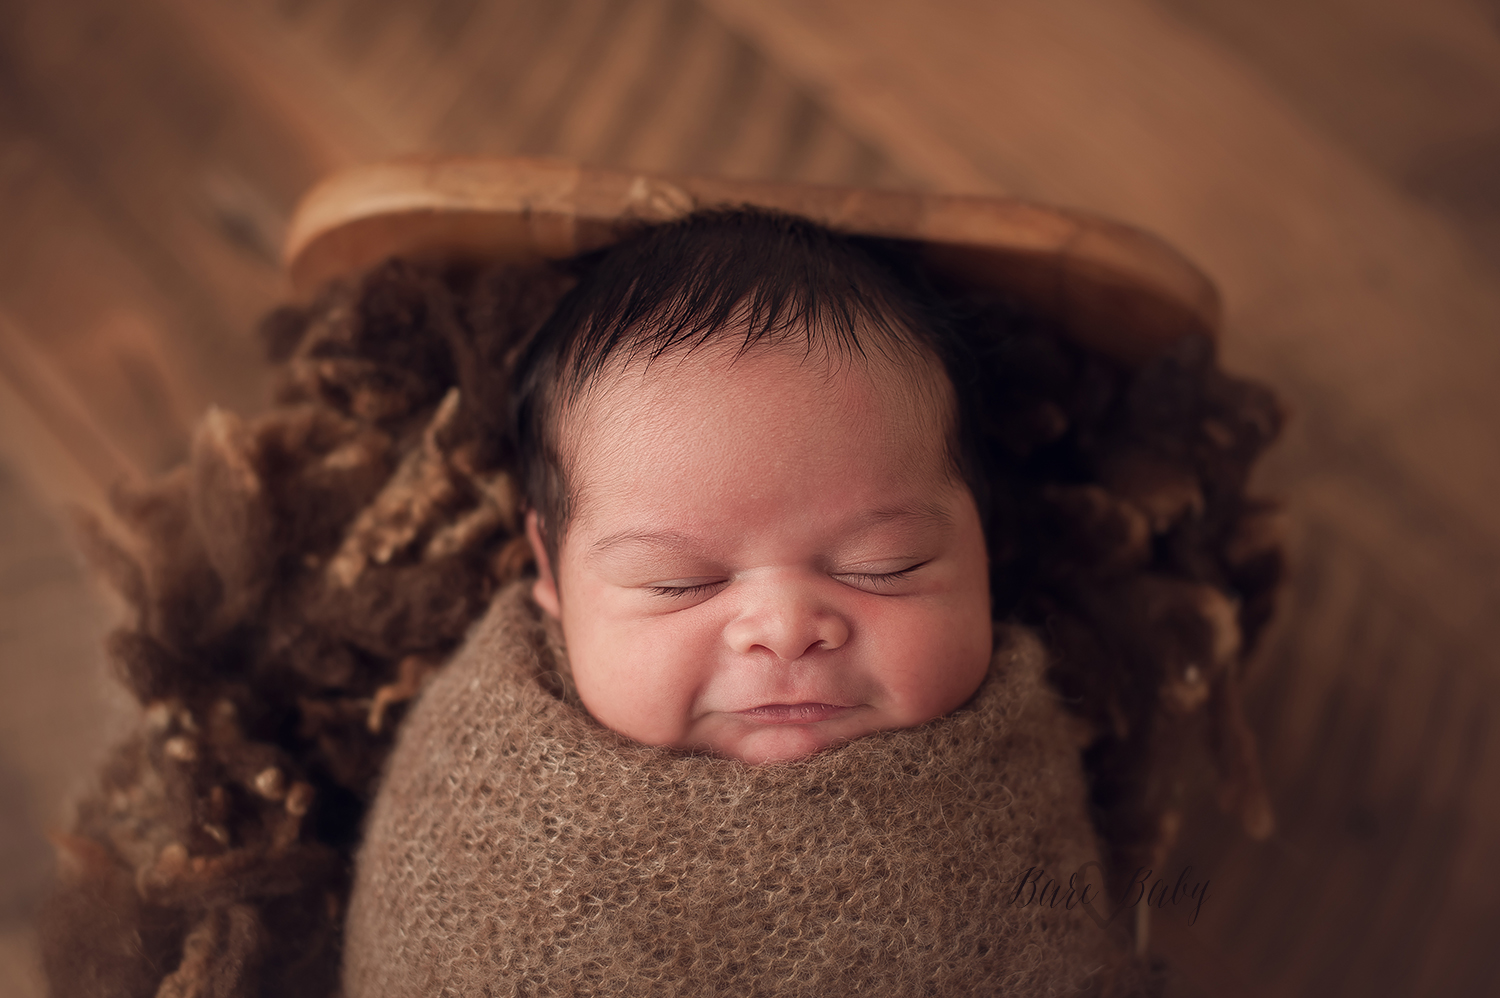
x=755, y=528
x=753, y=732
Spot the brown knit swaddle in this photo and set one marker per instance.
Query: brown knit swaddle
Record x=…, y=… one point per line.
x=517, y=847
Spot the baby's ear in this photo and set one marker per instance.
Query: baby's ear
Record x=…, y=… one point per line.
x=545, y=589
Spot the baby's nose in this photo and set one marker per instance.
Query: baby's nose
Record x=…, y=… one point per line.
x=787, y=618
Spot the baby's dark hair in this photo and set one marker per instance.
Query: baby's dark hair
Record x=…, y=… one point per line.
x=761, y=277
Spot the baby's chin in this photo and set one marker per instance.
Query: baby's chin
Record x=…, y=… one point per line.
x=759, y=744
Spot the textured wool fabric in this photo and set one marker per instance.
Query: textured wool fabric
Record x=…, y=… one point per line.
x=518, y=847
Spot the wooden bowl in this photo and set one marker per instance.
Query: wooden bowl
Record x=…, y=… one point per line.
x=1112, y=287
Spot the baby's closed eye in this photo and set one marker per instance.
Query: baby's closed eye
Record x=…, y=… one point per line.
x=877, y=579
x=880, y=582
x=684, y=588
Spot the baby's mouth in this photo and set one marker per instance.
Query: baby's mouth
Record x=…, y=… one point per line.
x=793, y=713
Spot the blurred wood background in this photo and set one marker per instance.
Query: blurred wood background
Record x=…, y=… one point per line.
x=1334, y=164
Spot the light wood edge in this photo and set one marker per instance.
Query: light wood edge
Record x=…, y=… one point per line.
x=1114, y=287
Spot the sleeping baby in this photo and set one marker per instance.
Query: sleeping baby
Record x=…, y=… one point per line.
x=750, y=729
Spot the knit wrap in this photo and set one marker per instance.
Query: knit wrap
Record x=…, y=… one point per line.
x=517, y=847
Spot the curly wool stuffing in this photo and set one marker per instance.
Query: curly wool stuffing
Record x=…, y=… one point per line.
x=518, y=847
x=295, y=584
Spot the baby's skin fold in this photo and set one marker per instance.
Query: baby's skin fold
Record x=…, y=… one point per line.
x=519, y=847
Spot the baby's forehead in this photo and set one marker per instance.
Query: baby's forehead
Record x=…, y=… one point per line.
x=906, y=376
x=787, y=412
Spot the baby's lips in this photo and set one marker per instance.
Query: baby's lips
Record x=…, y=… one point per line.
x=794, y=713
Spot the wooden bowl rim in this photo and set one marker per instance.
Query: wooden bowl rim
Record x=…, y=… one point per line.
x=1110, y=285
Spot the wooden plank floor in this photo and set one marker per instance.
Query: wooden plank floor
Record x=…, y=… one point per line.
x=1333, y=164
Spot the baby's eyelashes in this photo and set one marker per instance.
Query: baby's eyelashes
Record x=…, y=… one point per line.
x=685, y=588
x=879, y=582
x=890, y=582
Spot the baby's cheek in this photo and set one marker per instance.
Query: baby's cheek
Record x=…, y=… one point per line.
x=934, y=661
x=638, y=678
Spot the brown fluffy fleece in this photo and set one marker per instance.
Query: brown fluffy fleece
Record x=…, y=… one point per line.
x=299, y=579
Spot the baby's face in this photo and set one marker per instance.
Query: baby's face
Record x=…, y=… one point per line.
x=766, y=556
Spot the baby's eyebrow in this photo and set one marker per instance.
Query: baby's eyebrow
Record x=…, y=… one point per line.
x=654, y=538
x=925, y=511
x=922, y=512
